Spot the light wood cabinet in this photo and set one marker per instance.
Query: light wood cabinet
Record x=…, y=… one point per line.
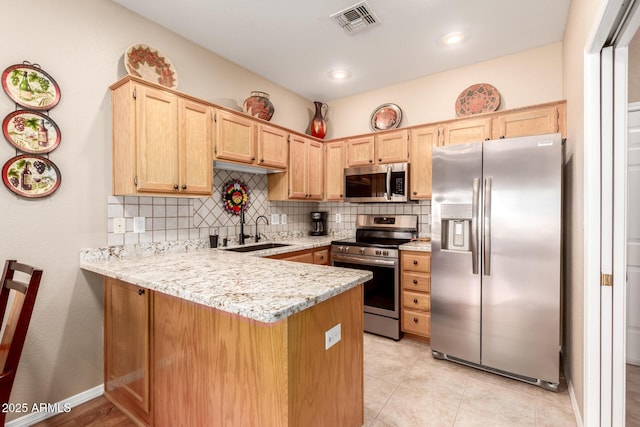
x=416, y=293
x=422, y=140
x=360, y=151
x=273, y=148
x=235, y=138
x=126, y=346
x=529, y=121
x=161, y=143
x=319, y=256
x=392, y=147
x=334, y=170
x=304, y=179
x=466, y=130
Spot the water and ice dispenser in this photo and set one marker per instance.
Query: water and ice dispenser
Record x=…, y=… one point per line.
x=456, y=227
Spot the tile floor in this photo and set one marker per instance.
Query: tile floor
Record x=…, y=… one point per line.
x=633, y=395
x=405, y=386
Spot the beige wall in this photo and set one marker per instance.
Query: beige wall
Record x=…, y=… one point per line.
x=525, y=78
x=582, y=16
x=81, y=43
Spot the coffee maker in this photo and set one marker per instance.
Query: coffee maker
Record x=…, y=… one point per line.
x=318, y=224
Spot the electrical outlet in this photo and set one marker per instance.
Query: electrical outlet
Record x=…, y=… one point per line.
x=118, y=225
x=338, y=217
x=332, y=336
x=283, y=219
x=138, y=224
x=275, y=219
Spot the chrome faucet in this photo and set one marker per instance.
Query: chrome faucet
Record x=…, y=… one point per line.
x=242, y=236
x=258, y=234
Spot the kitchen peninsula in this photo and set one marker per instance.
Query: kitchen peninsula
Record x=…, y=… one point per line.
x=213, y=337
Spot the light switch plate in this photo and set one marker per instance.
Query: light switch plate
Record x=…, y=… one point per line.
x=332, y=336
x=338, y=217
x=283, y=219
x=138, y=224
x=118, y=225
x=275, y=219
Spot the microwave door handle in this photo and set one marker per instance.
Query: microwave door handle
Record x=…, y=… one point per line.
x=388, y=183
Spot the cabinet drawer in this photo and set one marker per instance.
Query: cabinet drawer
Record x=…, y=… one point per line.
x=321, y=257
x=416, y=301
x=416, y=261
x=415, y=322
x=414, y=281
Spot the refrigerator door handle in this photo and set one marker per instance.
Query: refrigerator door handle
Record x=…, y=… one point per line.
x=388, y=183
x=474, y=226
x=487, y=228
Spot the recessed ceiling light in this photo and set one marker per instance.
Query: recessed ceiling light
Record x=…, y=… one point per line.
x=453, y=38
x=339, y=74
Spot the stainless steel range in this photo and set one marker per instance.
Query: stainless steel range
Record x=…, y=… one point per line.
x=375, y=248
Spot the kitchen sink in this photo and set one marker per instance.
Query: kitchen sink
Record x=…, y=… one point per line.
x=260, y=247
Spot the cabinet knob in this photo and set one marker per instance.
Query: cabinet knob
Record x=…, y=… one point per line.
x=415, y=282
x=415, y=320
x=415, y=193
x=261, y=160
x=341, y=195
x=415, y=300
x=175, y=187
x=140, y=291
x=415, y=262
x=184, y=186
x=253, y=158
x=379, y=159
x=370, y=161
x=502, y=137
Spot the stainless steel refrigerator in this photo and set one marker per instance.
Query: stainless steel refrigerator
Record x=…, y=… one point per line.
x=496, y=256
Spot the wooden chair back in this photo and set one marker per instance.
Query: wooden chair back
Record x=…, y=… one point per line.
x=20, y=295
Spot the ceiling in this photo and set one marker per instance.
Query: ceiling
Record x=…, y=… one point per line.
x=296, y=44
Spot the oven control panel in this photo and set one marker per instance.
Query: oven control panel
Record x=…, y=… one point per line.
x=364, y=251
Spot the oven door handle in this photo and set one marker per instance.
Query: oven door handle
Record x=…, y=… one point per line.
x=364, y=261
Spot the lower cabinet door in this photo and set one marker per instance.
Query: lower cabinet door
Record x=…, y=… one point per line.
x=415, y=322
x=126, y=346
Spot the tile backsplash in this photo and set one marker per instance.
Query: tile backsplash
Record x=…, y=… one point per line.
x=173, y=218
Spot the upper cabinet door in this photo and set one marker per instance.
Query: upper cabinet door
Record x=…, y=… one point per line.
x=273, y=150
x=157, y=149
x=334, y=170
x=422, y=141
x=315, y=181
x=531, y=121
x=298, y=168
x=196, y=166
x=466, y=130
x=235, y=138
x=392, y=147
x=360, y=151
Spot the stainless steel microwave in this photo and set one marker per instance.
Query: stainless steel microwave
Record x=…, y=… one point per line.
x=380, y=183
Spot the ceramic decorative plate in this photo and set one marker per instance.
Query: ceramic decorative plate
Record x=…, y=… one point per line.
x=148, y=63
x=30, y=87
x=235, y=195
x=31, y=176
x=386, y=116
x=31, y=132
x=476, y=99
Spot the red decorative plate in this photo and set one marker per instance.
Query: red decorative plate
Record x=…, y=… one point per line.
x=235, y=195
x=31, y=176
x=476, y=99
x=148, y=63
x=31, y=132
x=30, y=87
x=386, y=116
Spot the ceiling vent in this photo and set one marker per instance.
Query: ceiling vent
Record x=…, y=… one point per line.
x=356, y=18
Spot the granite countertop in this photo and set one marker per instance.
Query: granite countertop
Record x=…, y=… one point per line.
x=246, y=284
x=417, y=245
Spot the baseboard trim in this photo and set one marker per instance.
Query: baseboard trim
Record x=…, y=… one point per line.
x=572, y=395
x=72, y=402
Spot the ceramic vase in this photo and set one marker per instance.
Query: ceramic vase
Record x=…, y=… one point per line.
x=259, y=105
x=318, y=126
